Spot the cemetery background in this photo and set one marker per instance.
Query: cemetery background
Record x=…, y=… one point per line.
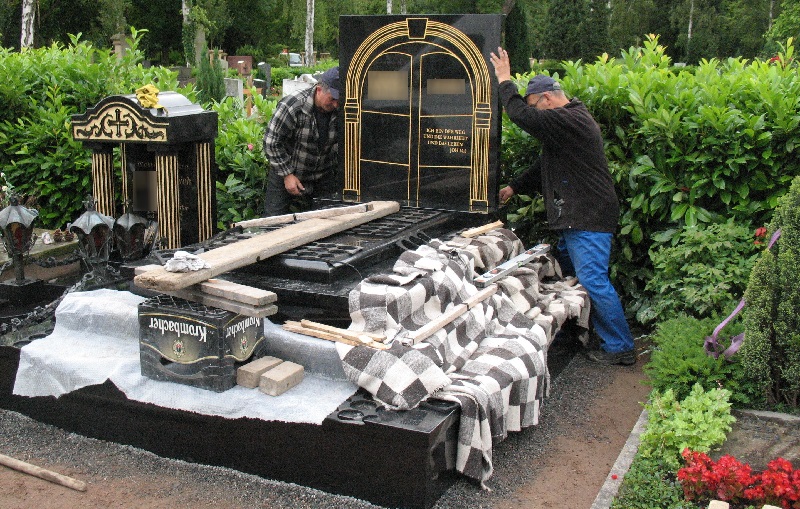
x=684, y=159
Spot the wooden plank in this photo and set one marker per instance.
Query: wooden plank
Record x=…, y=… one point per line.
x=451, y=314
x=479, y=230
x=349, y=334
x=41, y=473
x=240, y=293
x=260, y=247
x=302, y=216
x=223, y=303
x=226, y=289
x=296, y=327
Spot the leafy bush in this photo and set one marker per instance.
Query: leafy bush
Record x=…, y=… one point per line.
x=649, y=481
x=687, y=146
x=242, y=164
x=771, y=351
x=678, y=361
x=699, y=270
x=698, y=422
x=41, y=89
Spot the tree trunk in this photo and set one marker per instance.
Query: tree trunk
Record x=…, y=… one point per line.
x=388, y=6
x=185, y=6
x=771, y=13
x=508, y=6
x=28, y=17
x=310, y=60
x=689, y=32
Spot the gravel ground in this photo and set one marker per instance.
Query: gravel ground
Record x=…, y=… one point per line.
x=122, y=471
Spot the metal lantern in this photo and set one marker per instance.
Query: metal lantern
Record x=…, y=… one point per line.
x=94, y=231
x=129, y=236
x=17, y=224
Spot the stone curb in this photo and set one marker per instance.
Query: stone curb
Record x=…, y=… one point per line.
x=609, y=489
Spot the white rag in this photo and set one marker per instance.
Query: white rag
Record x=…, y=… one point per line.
x=183, y=261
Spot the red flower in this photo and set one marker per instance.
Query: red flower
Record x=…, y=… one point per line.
x=761, y=232
x=729, y=480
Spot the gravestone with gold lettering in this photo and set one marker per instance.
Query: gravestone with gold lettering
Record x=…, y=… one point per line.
x=421, y=118
x=161, y=160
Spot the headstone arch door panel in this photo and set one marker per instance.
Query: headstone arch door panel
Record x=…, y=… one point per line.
x=421, y=117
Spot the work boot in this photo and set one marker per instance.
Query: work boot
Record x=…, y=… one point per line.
x=626, y=358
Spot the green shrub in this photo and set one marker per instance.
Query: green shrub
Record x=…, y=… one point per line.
x=699, y=421
x=678, y=361
x=41, y=89
x=687, y=146
x=210, y=81
x=649, y=482
x=699, y=270
x=771, y=350
x=242, y=164
x=279, y=74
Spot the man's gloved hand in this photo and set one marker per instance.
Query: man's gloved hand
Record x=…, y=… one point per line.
x=293, y=185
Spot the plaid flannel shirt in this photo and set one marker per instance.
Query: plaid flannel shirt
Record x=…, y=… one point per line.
x=291, y=139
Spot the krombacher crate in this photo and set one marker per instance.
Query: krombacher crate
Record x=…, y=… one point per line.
x=193, y=344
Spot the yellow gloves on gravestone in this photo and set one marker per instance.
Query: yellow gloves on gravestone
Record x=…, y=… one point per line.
x=148, y=96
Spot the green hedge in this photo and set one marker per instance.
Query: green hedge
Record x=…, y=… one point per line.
x=41, y=89
x=687, y=146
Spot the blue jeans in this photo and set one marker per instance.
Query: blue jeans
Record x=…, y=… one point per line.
x=586, y=255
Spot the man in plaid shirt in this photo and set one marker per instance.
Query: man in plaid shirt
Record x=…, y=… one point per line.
x=301, y=144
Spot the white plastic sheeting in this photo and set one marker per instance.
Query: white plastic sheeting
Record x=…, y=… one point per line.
x=96, y=338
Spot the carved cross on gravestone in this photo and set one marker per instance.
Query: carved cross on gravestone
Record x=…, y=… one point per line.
x=119, y=123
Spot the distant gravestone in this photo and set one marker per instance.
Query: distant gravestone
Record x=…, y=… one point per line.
x=234, y=88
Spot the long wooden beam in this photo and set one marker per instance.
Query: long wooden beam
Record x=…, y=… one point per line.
x=260, y=247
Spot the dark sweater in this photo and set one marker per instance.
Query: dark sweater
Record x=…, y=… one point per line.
x=572, y=169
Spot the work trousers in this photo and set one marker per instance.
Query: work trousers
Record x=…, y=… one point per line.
x=278, y=201
x=586, y=255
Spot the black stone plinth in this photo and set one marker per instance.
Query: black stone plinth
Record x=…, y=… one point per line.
x=347, y=454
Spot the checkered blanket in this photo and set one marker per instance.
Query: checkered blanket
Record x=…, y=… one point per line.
x=491, y=360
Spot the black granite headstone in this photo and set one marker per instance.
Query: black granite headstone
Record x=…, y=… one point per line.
x=421, y=115
x=166, y=166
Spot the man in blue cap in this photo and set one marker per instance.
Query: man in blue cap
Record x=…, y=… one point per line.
x=573, y=177
x=301, y=144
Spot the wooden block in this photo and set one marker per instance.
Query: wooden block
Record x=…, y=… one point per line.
x=281, y=378
x=249, y=374
x=222, y=303
x=225, y=289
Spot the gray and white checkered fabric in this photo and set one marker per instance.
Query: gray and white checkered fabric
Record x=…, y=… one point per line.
x=491, y=360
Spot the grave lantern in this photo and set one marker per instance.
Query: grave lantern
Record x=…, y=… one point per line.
x=94, y=234
x=17, y=224
x=129, y=236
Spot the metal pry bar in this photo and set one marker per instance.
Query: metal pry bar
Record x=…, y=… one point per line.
x=511, y=265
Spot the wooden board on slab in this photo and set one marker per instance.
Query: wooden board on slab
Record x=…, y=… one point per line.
x=260, y=247
x=226, y=289
x=223, y=303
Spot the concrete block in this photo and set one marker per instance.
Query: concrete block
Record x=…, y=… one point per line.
x=249, y=374
x=281, y=378
x=718, y=504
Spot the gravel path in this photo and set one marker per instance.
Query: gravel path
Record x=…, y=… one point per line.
x=123, y=476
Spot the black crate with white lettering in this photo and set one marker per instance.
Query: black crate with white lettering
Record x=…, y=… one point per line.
x=189, y=343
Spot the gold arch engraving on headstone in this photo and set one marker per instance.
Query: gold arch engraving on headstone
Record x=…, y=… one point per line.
x=449, y=40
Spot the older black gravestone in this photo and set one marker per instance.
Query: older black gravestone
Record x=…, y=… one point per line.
x=166, y=166
x=421, y=114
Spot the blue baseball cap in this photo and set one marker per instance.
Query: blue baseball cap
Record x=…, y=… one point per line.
x=331, y=79
x=540, y=84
